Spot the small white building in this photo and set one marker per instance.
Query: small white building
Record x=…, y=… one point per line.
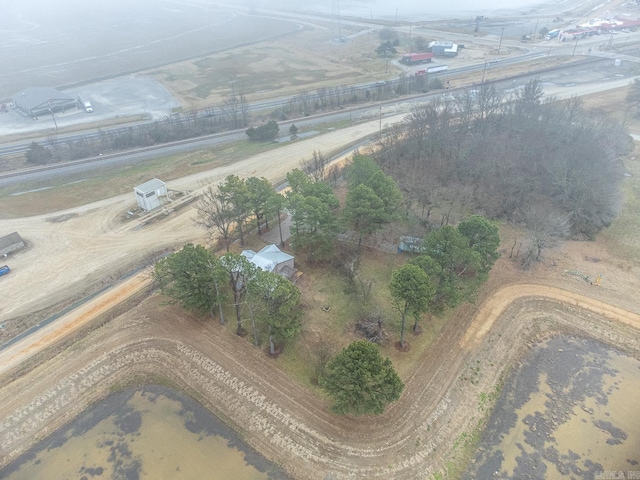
x=271, y=259
x=149, y=194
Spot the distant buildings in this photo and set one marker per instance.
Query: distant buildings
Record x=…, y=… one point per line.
x=443, y=49
x=35, y=101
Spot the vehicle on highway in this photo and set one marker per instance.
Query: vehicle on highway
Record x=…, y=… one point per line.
x=4, y=269
x=436, y=69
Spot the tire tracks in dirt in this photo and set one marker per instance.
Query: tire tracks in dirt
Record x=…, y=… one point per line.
x=281, y=419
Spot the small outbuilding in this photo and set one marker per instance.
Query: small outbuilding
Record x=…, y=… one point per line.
x=411, y=244
x=271, y=259
x=149, y=195
x=36, y=101
x=10, y=243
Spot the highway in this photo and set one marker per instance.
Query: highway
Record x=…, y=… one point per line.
x=128, y=157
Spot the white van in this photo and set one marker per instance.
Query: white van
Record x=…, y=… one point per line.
x=87, y=106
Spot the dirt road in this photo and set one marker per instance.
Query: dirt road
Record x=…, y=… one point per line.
x=74, y=250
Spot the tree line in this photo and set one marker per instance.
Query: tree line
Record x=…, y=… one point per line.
x=202, y=282
x=549, y=166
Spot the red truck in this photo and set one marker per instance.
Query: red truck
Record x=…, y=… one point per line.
x=413, y=58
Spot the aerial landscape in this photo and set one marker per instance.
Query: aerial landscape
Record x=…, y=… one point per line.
x=342, y=239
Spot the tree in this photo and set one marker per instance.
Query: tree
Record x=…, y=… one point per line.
x=360, y=381
x=297, y=181
x=388, y=34
x=313, y=207
x=420, y=44
x=633, y=96
x=360, y=170
x=386, y=49
x=280, y=311
x=38, y=154
x=234, y=192
x=239, y=272
x=274, y=205
x=315, y=166
x=364, y=170
x=451, y=251
x=237, y=109
x=264, y=133
x=259, y=190
x=315, y=225
x=412, y=291
x=483, y=238
x=293, y=131
x=546, y=227
x=364, y=212
x=216, y=215
x=191, y=277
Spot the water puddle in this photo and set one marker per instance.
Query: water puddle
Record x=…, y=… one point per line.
x=570, y=411
x=145, y=433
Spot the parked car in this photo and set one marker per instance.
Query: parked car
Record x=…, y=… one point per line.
x=4, y=270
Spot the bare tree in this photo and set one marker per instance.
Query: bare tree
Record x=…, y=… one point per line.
x=236, y=109
x=316, y=166
x=215, y=214
x=546, y=227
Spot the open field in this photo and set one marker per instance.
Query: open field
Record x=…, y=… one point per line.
x=103, y=40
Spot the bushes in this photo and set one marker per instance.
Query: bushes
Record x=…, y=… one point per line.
x=264, y=133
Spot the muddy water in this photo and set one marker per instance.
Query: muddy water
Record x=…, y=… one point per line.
x=572, y=410
x=151, y=433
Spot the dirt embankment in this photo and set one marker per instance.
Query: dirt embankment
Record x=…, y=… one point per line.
x=286, y=422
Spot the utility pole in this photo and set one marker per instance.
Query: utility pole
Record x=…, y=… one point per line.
x=410, y=39
x=575, y=46
x=380, y=129
x=500, y=44
x=484, y=72
x=535, y=31
x=52, y=115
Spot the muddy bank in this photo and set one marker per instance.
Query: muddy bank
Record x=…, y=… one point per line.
x=416, y=437
x=569, y=410
x=144, y=433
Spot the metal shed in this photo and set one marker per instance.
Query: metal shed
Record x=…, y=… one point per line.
x=36, y=101
x=443, y=49
x=11, y=243
x=270, y=259
x=149, y=194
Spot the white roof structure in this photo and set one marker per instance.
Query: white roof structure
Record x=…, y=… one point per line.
x=151, y=185
x=268, y=258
